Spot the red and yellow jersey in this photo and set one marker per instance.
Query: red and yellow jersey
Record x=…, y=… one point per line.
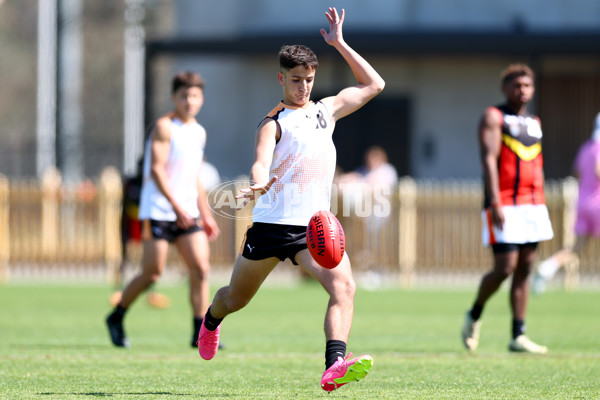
x=520, y=165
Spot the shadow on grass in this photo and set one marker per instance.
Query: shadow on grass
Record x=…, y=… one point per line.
x=110, y=394
x=107, y=394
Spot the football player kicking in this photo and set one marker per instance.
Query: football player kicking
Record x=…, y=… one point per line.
x=292, y=175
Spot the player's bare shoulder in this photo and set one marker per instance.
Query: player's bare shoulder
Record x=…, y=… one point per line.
x=492, y=115
x=491, y=119
x=162, y=128
x=268, y=123
x=268, y=128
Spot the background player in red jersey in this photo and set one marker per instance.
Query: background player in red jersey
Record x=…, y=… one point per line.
x=515, y=217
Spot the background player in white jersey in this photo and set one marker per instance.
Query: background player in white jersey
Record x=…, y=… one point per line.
x=293, y=172
x=173, y=207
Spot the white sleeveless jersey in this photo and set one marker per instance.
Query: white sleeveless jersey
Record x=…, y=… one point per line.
x=183, y=168
x=304, y=160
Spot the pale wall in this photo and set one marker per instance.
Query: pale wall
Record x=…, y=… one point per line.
x=448, y=94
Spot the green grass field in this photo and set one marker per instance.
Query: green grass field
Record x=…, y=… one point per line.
x=54, y=345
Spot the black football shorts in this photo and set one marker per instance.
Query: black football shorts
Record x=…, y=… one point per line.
x=167, y=230
x=274, y=240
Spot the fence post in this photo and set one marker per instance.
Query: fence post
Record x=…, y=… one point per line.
x=568, y=194
x=4, y=229
x=50, y=229
x=110, y=195
x=407, y=235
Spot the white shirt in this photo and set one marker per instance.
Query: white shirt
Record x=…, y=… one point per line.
x=183, y=167
x=304, y=161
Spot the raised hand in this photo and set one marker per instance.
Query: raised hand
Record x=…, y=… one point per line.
x=335, y=26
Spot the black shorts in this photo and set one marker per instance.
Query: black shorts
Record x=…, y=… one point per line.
x=167, y=230
x=500, y=248
x=274, y=240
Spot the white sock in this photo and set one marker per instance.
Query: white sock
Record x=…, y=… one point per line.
x=548, y=268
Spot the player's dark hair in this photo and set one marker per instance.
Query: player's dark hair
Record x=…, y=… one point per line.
x=514, y=71
x=291, y=56
x=187, y=79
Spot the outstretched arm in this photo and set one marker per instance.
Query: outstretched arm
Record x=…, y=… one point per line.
x=369, y=82
x=263, y=155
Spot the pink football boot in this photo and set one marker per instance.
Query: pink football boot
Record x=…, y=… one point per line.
x=208, y=342
x=346, y=371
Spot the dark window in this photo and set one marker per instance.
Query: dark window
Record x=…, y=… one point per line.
x=384, y=122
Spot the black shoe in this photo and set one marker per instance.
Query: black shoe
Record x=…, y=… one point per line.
x=117, y=334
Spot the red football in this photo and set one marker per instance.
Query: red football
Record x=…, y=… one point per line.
x=325, y=239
